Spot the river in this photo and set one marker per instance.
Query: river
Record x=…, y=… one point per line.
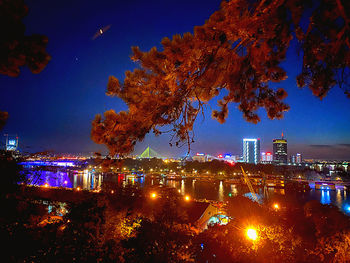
x=197, y=189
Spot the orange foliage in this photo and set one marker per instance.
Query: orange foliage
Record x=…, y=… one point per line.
x=239, y=49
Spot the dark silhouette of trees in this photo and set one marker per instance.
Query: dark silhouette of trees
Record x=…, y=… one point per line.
x=238, y=52
x=17, y=49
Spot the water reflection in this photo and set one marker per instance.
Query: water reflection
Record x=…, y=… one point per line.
x=86, y=179
x=325, y=197
x=197, y=189
x=221, y=192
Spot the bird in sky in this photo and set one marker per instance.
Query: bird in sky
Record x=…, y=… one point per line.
x=101, y=31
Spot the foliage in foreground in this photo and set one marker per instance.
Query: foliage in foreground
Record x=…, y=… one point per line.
x=125, y=225
x=237, y=53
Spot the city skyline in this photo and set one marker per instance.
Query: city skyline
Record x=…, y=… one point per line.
x=54, y=109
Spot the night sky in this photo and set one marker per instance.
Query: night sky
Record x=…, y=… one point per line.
x=53, y=110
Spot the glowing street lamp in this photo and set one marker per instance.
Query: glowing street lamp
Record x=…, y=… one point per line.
x=46, y=185
x=252, y=234
x=153, y=195
x=276, y=206
x=187, y=198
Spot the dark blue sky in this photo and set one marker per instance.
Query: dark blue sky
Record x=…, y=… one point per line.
x=54, y=109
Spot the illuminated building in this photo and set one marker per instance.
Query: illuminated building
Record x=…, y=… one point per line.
x=11, y=143
x=280, y=151
x=251, y=150
x=266, y=157
x=298, y=158
x=200, y=157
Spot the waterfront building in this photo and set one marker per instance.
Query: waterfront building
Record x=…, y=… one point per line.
x=251, y=150
x=280, y=151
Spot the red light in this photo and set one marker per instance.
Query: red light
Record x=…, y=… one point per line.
x=220, y=156
x=268, y=153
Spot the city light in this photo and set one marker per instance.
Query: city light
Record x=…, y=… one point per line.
x=78, y=188
x=46, y=185
x=187, y=198
x=153, y=195
x=276, y=206
x=252, y=234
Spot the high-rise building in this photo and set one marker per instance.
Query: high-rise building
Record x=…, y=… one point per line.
x=251, y=150
x=298, y=158
x=280, y=151
x=11, y=143
x=266, y=157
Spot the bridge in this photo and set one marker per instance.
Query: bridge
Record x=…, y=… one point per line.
x=149, y=153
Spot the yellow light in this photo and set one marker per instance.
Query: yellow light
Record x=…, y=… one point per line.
x=252, y=234
x=276, y=206
x=65, y=182
x=46, y=185
x=112, y=192
x=153, y=195
x=187, y=198
x=78, y=188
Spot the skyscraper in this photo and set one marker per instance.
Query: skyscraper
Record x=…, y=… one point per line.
x=280, y=151
x=299, y=158
x=251, y=150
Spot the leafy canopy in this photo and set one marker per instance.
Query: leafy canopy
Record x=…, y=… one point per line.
x=16, y=48
x=240, y=50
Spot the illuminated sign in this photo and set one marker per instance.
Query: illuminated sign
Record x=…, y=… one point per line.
x=220, y=156
x=279, y=141
x=200, y=154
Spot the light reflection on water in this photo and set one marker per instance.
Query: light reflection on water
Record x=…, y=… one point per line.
x=86, y=179
x=197, y=189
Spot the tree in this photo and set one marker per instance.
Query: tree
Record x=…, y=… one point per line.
x=17, y=49
x=239, y=49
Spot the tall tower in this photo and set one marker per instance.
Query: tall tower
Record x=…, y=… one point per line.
x=251, y=150
x=280, y=151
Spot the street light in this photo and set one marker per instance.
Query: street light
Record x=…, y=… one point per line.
x=153, y=195
x=252, y=234
x=276, y=206
x=187, y=198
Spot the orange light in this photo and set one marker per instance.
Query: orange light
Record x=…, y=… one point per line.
x=276, y=206
x=187, y=198
x=153, y=195
x=78, y=188
x=46, y=185
x=112, y=192
x=252, y=234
